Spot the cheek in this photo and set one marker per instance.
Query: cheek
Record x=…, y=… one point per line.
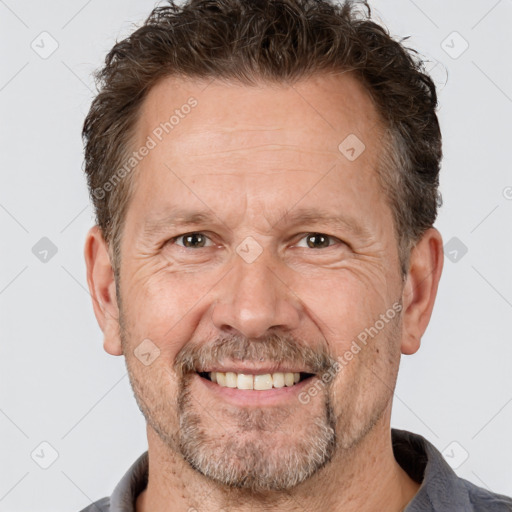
x=364, y=386
x=156, y=390
x=346, y=304
x=164, y=307
x=361, y=326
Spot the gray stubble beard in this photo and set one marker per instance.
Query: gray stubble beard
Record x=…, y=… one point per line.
x=255, y=465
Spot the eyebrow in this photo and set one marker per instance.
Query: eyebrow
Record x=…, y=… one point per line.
x=297, y=216
x=337, y=221
x=178, y=217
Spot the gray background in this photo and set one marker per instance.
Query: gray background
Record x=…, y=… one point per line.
x=58, y=386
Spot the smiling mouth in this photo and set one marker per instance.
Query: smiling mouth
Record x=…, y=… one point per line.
x=258, y=382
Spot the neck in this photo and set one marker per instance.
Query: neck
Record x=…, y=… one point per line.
x=365, y=478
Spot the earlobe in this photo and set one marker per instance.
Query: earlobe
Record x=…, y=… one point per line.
x=100, y=278
x=420, y=290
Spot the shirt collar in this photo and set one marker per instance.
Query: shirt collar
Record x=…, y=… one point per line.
x=441, y=489
x=130, y=486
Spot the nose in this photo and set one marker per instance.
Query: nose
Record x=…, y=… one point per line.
x=253, y=299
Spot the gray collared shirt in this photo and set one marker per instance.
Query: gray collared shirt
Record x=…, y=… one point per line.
x=441, y=489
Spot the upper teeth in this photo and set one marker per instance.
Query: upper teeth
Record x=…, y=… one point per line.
x=259, y=382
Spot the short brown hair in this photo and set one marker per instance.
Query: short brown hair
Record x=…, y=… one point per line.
x=250, y=41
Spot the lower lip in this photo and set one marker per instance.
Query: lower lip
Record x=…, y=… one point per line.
x=253, y=397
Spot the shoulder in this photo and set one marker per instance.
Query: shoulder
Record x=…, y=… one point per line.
x=486, y=501
x=102, y=505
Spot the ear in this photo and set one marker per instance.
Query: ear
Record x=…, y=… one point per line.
x=420, y=290
x=100, y=278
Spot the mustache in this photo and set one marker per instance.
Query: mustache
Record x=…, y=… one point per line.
x=274, y=348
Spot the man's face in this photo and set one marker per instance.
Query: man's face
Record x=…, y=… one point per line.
x=289, y=255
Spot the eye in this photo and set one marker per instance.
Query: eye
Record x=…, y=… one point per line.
x=318, y=241
x=192, y=240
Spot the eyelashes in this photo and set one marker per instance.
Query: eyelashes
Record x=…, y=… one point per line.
x=199, y=240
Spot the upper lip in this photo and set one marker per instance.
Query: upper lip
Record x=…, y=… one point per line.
x=253, y=370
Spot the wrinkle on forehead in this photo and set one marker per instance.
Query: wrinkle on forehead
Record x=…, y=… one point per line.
x=235, y=108
x=250, y=148
x=281, y=145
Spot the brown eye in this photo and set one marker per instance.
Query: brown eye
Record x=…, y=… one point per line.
x=192, y=240
x=318, y=240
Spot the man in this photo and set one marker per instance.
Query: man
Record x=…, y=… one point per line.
x=265, y=180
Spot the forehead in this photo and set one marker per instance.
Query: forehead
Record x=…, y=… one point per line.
x=315, y=114
x=241, y=146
